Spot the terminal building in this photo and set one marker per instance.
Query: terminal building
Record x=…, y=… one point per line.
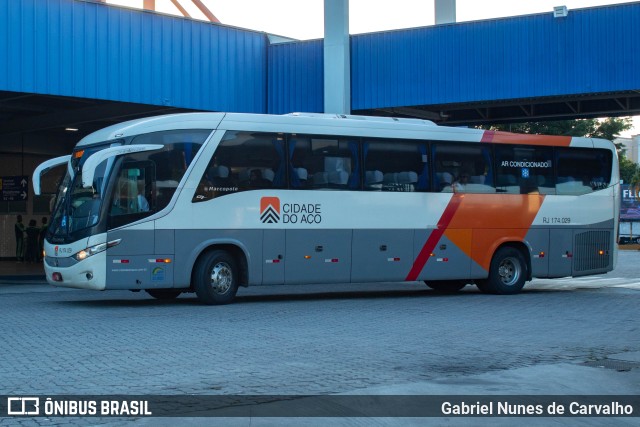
x=630, y=147
x=70, y=67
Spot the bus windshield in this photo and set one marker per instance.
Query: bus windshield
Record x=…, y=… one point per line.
x=125, y=188
x=76, y=207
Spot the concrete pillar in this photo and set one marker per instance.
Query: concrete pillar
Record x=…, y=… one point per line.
x=635, y=151
x=445, y=11
x=337, y=57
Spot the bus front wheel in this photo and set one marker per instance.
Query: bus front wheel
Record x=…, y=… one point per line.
x=216, y=278
x=507, y=273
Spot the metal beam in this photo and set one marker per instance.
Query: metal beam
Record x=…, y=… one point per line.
x=523, y=110
x=210, y=16
x=182, y=10
x=623, y=106
x=527, y=111
x=149, y=4
x=413, y=112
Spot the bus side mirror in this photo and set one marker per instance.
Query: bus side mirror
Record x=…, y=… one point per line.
x=43, y=168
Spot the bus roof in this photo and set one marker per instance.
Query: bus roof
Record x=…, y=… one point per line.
x=153, y=124
x=329, y=124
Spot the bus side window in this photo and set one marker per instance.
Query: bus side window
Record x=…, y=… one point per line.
x=243, y=161
x=524, y=169
x=171, y=163
x=327, y=162
x=582, y=171
x=463, y=168
x=133, y=192
x=396, y=165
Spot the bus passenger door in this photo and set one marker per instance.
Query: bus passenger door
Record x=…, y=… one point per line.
x=273, y=261
x=128, y=262
x=560, y=252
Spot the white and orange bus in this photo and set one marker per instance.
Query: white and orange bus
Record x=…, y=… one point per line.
x=207, y=202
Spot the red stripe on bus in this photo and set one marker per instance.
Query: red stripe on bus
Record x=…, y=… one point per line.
x=434, y=237
x=487, y=136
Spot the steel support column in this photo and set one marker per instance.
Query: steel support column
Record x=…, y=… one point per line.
x=337, y=65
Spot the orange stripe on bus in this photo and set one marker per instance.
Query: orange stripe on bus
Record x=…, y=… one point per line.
x=493, y=219
x=525, y=139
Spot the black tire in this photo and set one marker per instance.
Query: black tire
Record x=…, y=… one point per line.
x=215, y=278
x=164, y=294
x=507, y=274
x=446, y=286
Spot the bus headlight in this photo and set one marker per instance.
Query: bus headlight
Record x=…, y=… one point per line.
x=96, y=249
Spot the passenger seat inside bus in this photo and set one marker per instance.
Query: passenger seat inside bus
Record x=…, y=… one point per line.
x=320, y=180
x=338, y=179
x=407, y=180
x=445, y=179
x=302, y=175
x=373, y=180
x=257, y=177
x=542, y=188
x=569, y=185
x=219, y=175
x=268, y=175
x=508, y=184
x=476, y=179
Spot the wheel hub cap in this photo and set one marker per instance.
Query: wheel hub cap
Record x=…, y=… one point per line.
x=509, y=271
x=221, y=278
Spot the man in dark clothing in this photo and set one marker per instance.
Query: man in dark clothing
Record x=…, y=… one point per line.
x=33, y=234
x=19, y=231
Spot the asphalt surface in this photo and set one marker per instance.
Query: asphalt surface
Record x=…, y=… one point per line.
x=557, y=337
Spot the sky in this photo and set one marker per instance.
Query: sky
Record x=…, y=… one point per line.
x=303, y=19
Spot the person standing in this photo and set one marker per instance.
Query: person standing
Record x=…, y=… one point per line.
x=33, y=234
x=19, y=232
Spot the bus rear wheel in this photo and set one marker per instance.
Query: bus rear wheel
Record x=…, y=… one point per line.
x=507, y=273
x=445, y=286
x=216, y=278
x=164, y=294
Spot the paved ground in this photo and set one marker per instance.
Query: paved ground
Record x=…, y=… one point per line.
x=372, y=339
x=11, y=270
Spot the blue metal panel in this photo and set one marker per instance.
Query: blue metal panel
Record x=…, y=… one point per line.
x=590, y=51
x=296, y=76
x=85, y=49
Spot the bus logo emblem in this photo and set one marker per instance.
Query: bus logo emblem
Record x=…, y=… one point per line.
x=270, y=210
